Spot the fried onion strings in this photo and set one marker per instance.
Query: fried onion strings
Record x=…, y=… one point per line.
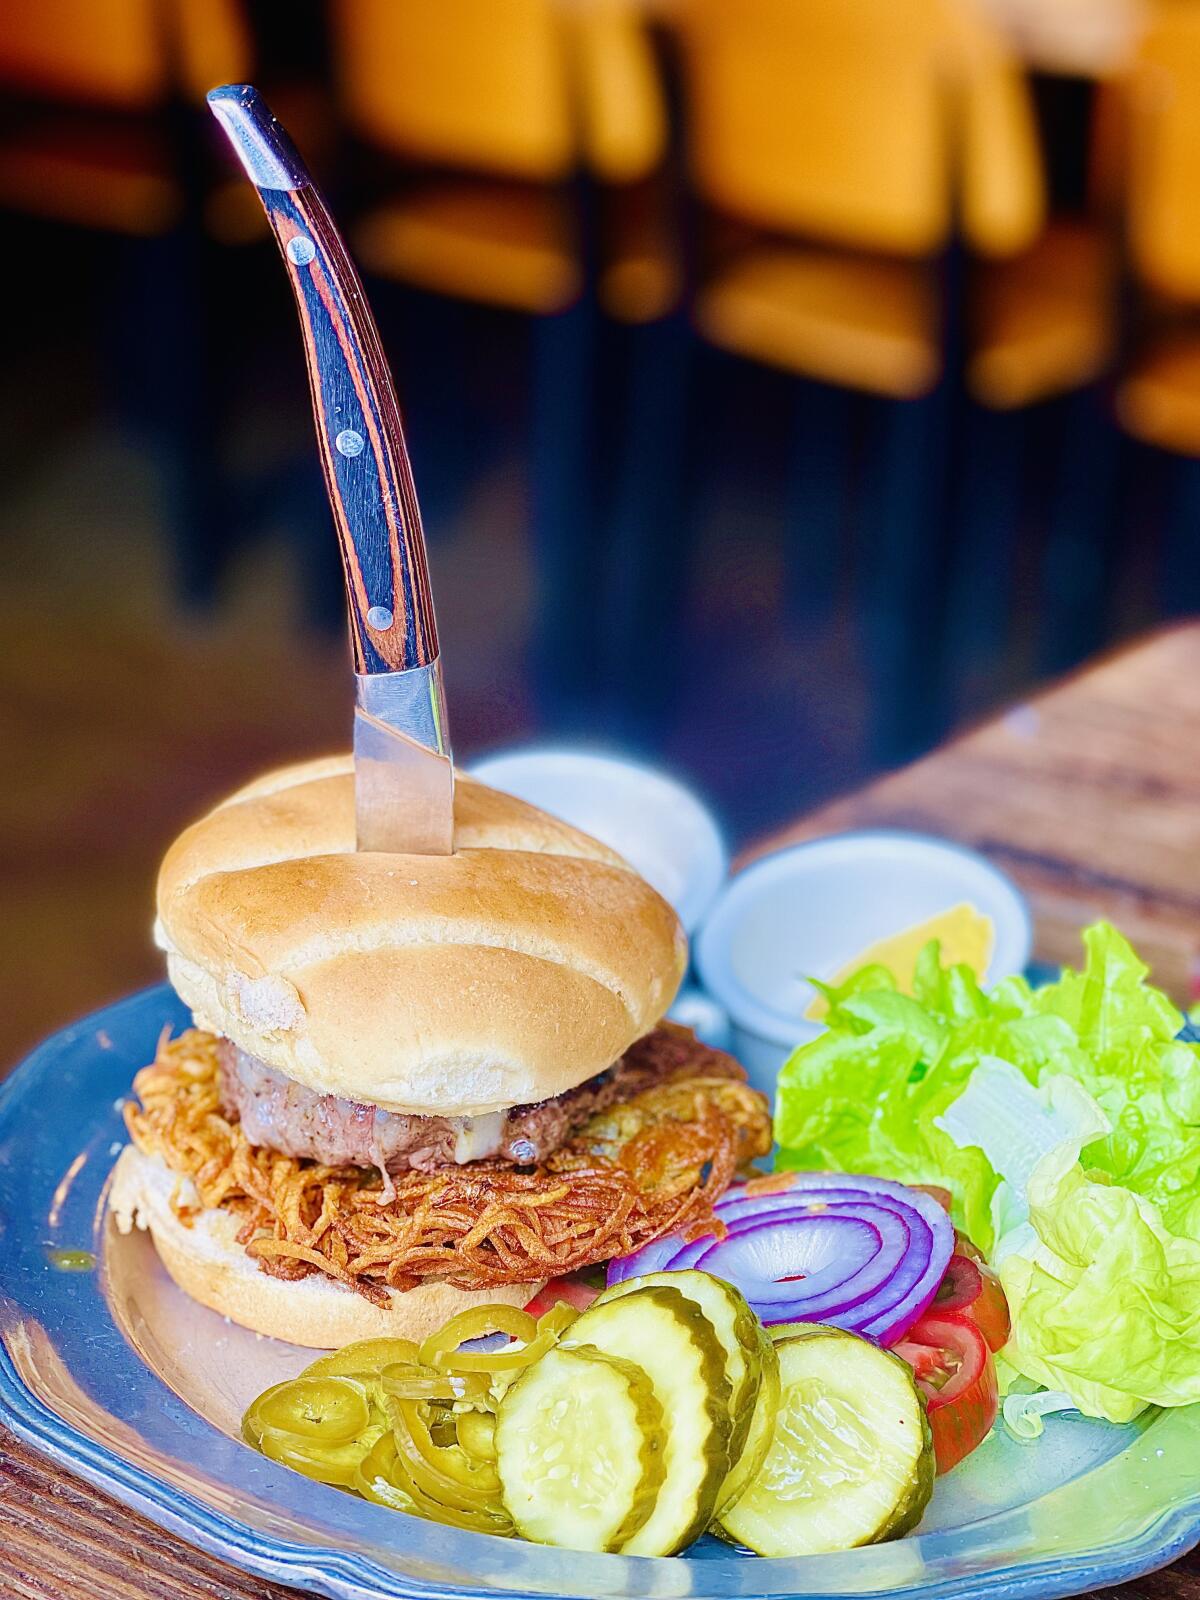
x=648, y=1167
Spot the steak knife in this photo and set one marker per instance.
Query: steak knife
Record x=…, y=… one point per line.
x=403, y=774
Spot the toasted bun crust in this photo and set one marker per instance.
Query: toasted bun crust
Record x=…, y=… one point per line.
x=208, y=1264
x=506, y=973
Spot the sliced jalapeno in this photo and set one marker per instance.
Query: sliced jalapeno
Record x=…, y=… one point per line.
x=322, y=1409
x=335, y=1464
x=410, y=1382
x=363, y=1358
x=441, y=1349
x=441, y=1474
x=447, y=1461
x=377, y=1480
x=489, y=1517
x=558, y=1319
x=475, y=1432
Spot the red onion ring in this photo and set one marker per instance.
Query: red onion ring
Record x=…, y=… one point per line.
x=864, y=1254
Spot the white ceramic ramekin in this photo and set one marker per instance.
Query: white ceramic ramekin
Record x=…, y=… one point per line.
x=657, y=824
x=806, y=911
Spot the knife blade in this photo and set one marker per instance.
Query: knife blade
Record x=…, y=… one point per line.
x=403, y=773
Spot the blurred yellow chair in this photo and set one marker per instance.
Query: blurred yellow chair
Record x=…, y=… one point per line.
x=831, y=118
x=88, y=80
x=493, y=106
x=1158, y=395
x=1158, y=398
x=875, y=221
x=126, y=54
x=104, y=129
x=1042, y=323
x=862, y=128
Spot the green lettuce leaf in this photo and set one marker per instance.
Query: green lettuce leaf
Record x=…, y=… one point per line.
x=864, y=1095
x=1105, y=1306
x=1066, y=1124
x=1147, y=1082
x=1016, y=1125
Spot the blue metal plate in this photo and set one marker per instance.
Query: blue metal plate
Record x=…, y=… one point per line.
x=118, y=1377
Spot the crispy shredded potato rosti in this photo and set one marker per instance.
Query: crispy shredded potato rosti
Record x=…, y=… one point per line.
x=651, y=1166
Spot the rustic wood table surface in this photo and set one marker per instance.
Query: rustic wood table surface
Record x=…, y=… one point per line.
x=1089, y=795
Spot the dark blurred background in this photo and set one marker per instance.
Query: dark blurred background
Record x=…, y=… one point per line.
x=787, y=382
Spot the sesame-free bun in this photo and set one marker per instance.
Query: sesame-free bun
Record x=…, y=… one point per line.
x=206, y=1261
x=506, y=973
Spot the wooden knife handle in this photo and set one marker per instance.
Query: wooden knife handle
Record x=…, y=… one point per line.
x=359, y=431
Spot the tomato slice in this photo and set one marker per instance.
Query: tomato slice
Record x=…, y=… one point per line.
x=971, y=1287
x=989, y=1312
x=960, y=1287
x=572, y=1290
x=955, y=1372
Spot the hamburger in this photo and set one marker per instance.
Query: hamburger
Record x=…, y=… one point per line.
x=415, y=1083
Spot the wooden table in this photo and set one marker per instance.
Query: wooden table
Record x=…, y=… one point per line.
x=1089, y=795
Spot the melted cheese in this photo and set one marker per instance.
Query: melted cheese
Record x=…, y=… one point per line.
x=478, y=1137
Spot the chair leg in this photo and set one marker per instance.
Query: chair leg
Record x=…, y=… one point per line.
x=901, y=577
x=304, y=510
x=447, y=423
x=1084, y=523
x=161, y=329
x=820, y=480
x=981, y=588
x=648, y=541
x=1179, y=577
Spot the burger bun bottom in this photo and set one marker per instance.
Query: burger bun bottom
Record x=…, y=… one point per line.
x=206, y=1261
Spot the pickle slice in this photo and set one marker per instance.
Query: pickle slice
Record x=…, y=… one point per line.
x=579, y=1450
x=760, y=1429
x=668, y=1335
x=851, y=1458
x=741, y=1338
x=780, y=1331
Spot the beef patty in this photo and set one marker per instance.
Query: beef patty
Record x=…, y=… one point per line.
x=283, y=1115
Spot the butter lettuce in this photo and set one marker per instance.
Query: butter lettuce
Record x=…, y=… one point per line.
x=1016, y=1125
x=1105, y=1303
x=1066, y=1124
x=865, y=1096
x=1146, y=1080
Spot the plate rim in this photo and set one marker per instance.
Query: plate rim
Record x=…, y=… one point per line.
x=346, y=1575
